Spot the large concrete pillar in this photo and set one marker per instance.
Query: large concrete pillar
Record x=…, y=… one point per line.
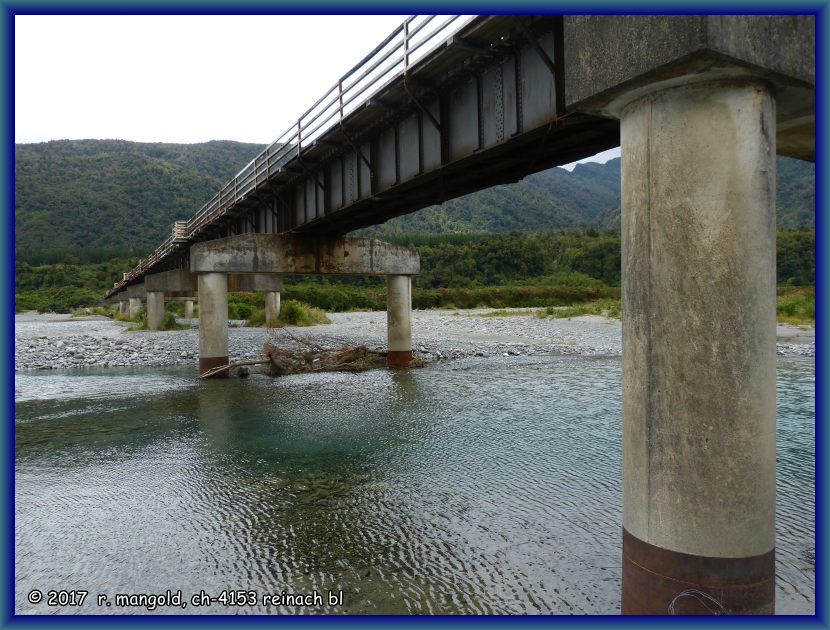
x=272, y=308
x=213, y=321
x=124, y=308
x=698, y=302
x=188, y=309
x=399, y=319
x=135, y=307
x=155, y=309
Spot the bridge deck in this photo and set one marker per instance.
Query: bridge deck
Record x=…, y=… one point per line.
x=441, y=108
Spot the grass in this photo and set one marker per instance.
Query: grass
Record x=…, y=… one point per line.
x=503, y=313
x=106, y=311
x=168, y=323
x=257, y=319
x=796, y=305
x=292, y=313
x=606, y=308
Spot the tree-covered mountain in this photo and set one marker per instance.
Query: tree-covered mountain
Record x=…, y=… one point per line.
x=588, y=196
x=74, y=194
x=85, y=194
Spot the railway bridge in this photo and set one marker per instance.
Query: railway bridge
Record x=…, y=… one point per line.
x=444, y=106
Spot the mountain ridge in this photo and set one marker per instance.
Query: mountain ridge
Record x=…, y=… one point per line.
x=72, y=194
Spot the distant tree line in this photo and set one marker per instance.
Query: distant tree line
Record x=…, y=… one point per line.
x=454, y=269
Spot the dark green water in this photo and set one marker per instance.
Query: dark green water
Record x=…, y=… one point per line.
x=475, y=486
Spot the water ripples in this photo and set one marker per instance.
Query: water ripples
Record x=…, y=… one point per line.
x=468, y=487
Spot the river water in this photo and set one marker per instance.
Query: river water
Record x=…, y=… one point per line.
x=469, y=486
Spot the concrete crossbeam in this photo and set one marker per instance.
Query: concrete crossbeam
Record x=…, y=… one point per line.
x=260, y=282
x=172, y=282
x=136, y=291
x=270, y=253
x=615, y=59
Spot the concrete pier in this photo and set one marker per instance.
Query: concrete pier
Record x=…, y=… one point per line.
x=399, y=319
x=213, y=321
x=698, y=301
x=188, y=309
x=124, y=308
x=272, y=308
x=155, y=309
x=135, y=307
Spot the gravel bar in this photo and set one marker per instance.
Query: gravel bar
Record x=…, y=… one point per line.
x=52, y=341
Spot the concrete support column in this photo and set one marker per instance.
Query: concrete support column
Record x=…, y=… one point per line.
x=155, y=309
x=124, y=308
x=135, y=307
x=272, y=308
x=188, y=309
x=213, y=321
x=698, y=303
x=399, y=319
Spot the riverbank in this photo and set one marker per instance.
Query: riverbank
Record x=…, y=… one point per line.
x=54, y=341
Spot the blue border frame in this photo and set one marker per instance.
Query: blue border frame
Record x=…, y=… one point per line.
x=8, y=9
x=821, y=432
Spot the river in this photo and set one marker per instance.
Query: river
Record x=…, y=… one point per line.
x=480, y=485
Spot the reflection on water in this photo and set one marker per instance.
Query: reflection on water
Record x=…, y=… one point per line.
x=476, y=486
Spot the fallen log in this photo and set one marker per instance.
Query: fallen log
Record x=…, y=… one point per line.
x=230, y=366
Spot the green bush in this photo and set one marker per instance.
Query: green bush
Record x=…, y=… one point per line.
x=239, y=310
x=169, y=322
x=294, y=313
x=796, y=305
x=606, y=308
x=256, y=319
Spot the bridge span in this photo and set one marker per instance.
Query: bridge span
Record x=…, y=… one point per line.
x=700, y=106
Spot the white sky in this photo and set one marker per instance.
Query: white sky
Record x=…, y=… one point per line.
x=186, y=78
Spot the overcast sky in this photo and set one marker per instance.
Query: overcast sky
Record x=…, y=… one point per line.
x=180, y=78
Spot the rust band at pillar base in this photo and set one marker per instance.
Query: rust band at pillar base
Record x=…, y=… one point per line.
x=398, y=358
x=208, y=363
x=657, y=581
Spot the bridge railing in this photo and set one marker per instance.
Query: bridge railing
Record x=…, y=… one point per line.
x=414, y=39
x=402, y=48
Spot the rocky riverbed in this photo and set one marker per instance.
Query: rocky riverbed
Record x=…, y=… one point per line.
x=53, y=341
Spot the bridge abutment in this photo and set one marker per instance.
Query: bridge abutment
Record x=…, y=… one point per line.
x=213, y=321
x=399, y=320
x=699, y=315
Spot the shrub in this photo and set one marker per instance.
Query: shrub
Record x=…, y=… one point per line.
x=169, y=322
x=256, y=319
x=294, y=313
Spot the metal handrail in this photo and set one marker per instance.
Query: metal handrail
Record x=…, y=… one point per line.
x=329, y=110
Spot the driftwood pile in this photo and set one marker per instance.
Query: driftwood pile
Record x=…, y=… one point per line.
x=284, y=360
x=287, y=354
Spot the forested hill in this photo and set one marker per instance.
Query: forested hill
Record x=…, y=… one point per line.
x=88, y=194
x=589, y=196
x=112, y=193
